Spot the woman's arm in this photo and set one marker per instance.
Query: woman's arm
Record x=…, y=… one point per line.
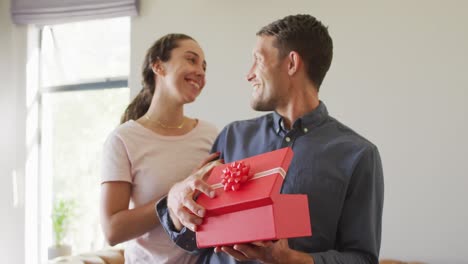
x=120, y=223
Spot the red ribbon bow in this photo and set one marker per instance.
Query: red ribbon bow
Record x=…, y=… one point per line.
x=234, y=175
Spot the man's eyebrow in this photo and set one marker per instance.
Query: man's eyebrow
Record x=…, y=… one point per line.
x=196, y=54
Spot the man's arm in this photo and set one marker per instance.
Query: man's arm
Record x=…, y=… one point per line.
x=183, y=238
x=360, y=225
x=180, y=232
x=178, y=213
x=359, y=233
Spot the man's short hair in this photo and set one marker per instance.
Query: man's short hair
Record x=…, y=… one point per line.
x=307, y=36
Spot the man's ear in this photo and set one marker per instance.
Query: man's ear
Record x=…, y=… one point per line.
x=294, y=62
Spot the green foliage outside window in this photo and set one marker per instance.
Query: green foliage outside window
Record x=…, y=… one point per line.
x=62, y=214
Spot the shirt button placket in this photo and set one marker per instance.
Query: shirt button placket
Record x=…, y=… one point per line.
x=288, y=141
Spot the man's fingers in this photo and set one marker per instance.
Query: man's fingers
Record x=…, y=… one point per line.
x=206, y=171
x=189, y=220
x=202, y=186
x=193, y=207
x=210, y=157
x=217, y=249
x=263, y=243
x=234, y=253
x=250, y=251
x=190, y=226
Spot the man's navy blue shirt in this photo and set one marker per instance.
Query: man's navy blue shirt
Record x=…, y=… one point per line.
x=338, y=170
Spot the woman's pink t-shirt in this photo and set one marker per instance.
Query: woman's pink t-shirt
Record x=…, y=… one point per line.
x=152, y=163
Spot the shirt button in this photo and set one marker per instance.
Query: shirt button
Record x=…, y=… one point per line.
x=288, y=139
x=306, y=130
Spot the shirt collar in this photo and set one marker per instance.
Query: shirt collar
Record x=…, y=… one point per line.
x=309, y=120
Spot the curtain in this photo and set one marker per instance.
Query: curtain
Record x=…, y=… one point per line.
x=47, y=12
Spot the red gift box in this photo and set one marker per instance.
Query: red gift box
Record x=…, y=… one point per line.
x=255, y=210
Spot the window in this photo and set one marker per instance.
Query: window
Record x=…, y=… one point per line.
x=83, y=80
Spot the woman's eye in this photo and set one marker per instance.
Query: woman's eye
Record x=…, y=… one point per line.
x=192, y=60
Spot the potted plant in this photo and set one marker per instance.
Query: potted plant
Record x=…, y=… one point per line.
x=62, y=213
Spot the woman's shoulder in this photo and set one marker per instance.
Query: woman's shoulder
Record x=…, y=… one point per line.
x=207, y=126
x=124, y=130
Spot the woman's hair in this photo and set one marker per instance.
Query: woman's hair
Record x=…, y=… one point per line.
x=161, y=50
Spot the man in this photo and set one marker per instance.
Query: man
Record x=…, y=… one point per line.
x=339, y=170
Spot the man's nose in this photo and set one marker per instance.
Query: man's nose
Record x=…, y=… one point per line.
x=250, y=75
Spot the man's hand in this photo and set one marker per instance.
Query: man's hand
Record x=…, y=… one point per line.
x=183, y=210
x=266, y=252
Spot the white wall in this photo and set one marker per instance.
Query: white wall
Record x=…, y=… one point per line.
x=12, y=101
x=398, y=77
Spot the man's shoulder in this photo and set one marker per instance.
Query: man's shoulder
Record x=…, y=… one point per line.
x=344, y=134
x=249, y=124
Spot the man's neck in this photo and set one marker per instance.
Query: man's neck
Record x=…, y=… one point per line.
x=298, y=105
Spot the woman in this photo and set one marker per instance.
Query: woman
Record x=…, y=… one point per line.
x=155, y=146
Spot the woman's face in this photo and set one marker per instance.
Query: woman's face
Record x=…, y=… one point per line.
x=183, y=76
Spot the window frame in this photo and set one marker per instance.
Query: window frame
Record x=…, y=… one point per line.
x=42, y=206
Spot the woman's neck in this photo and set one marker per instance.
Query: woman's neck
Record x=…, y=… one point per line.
x=166, y=118
x=166, y=112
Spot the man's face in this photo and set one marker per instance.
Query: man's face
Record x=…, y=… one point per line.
x=268, y=76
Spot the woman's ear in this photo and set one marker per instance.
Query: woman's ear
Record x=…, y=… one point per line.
x=294, y=62
x=158, y=68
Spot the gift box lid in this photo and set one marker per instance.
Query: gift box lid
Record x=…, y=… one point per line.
x=267, y=172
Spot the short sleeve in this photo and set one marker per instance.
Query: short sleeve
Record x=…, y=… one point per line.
x=115, y=160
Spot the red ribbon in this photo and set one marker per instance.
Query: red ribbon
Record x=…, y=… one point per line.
x=234, y=175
